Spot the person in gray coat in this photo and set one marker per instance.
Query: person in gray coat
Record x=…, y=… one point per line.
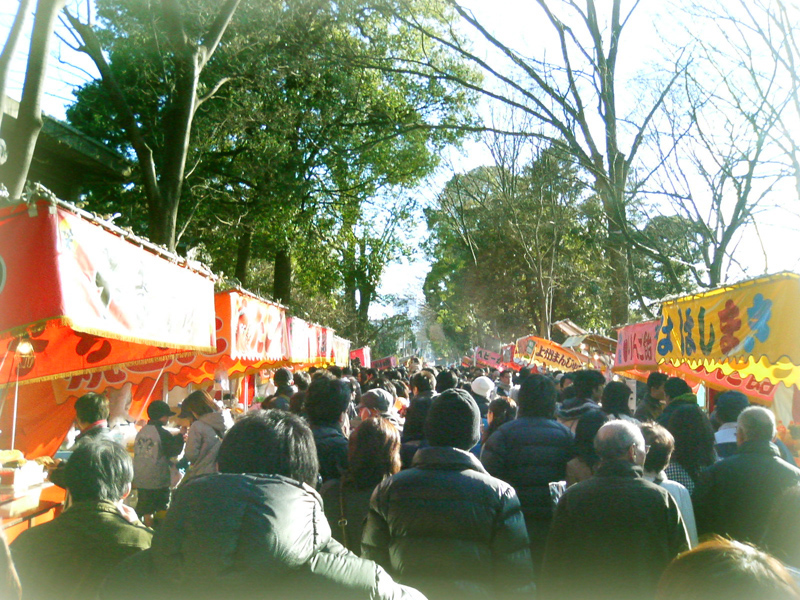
x=208, y=427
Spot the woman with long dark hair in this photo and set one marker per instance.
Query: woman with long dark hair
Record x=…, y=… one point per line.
x=373, y=454
x=616, y=401
x=694, y=445
x=582, y=466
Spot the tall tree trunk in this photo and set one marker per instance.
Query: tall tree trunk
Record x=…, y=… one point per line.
x=244, y=252
x=616, y=254
x=7, y=55
x=282, y=280
x=22, y=142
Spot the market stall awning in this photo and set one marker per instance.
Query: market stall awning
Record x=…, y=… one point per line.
x=637, y=357
x=750, y=329
x=78, y=295
x=532, y=349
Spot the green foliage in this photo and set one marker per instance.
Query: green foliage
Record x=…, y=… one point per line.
x=514, y=248
x=308, y=126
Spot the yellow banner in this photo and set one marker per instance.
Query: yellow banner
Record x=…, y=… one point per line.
x=751, y=328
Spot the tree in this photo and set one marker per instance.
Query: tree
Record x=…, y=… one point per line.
x=573, y=99
x=509, y=250
x=717, y=163
x=299, y=137
x=188, y=44
x=22, y=139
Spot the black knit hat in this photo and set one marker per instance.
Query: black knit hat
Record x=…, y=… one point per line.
x=453, y=420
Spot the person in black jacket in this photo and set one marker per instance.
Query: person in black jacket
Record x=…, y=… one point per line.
x=326, y=404
x=529, y=453
x=615, y=533
x=446, y=526
x=734, y=496
x=254, y=530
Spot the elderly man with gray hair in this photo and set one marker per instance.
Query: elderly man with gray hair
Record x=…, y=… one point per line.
x=734, y=496
x=612, y=534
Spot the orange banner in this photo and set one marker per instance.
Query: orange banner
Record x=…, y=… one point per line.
x=532, y=349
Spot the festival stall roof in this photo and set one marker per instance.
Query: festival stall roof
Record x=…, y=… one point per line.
x=78, y=295
x=636, y=359
x=750, y=328
x=532, y=349
x=743, y=336
x=593, y=342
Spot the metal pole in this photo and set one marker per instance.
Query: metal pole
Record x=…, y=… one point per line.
x=14, y=420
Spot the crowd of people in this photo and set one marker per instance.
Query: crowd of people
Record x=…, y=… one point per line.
x=418, y=482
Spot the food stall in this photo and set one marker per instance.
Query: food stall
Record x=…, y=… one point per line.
x=78, y=296
x=740, y=337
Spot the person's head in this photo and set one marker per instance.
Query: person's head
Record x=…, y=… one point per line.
x=589, y=384
x=197, y=404
x=99, y=470
x=655, y=385
x=501, y=411
x=373, y=452
x=755, y=424
x=91, y=408
x=482, y=386
x=586, y=430
x=567, y=380
x=336, y=371
x=453, y=420
x=301, y=380
x=283, y=377
x=661, y=445
x=158, y=410
x=446, y=380
x=327, y=400
x=616, y=396
x=694, y=438
x=271, y=442
x=620, y=440
x=782, y=536
x=505, y=378
x=422, y=381
x=729, y=406
x=524, y=373
x=375, y=402
x=674, y=387
x=537, y=397
x=722, y=569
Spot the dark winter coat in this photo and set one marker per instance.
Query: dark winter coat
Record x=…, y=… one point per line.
x=611, y=538
x=449, y=529
x=248, y=536
x=734, y=496
x=331, y=450
x=529, y=453
x=69, y=557
x=414, y=427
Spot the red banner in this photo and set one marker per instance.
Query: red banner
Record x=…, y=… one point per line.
x=362, y=355
x=389, y=362
x=484, y=357
x=74, y=298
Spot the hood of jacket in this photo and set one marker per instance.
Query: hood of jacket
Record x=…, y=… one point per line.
x=217, y=421
x=245, y=527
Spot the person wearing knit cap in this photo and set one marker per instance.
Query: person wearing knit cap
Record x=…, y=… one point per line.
x=447, y=500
